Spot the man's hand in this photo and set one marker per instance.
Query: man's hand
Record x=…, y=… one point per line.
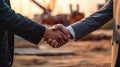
x=55, y=38
x=59, y=29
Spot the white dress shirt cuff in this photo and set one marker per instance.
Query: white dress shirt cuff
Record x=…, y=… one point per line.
x=71, y=31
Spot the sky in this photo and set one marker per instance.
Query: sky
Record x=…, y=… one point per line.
x=27, y=8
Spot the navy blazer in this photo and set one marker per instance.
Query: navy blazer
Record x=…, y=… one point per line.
x=94, y=21
x=13, y=23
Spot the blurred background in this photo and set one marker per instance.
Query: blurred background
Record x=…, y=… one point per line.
x=93, y=50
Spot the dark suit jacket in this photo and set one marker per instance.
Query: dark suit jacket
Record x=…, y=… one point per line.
x=110, y=10
x=94, y=21
x=13, y=23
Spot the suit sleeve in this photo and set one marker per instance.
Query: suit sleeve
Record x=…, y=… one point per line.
x=20, y=25
x=94, y=21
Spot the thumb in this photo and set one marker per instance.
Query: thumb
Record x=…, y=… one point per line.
x=63, y=29
x=56, y=27
x=59, y=26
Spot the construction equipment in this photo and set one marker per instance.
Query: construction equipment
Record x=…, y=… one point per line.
x=65, y=19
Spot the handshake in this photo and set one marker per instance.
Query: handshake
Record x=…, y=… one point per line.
x=57, y=35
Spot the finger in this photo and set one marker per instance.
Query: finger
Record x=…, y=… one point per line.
x=66, y=32
x=53, y=43
x=58, y=26
x=63, y=37
x=60, y=40
x=66, y=39
x=57, y=43
x=49, y=41
x=57, y=35
x=53, y=27
x=63, y=29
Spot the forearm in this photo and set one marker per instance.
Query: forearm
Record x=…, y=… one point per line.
x=93, y=22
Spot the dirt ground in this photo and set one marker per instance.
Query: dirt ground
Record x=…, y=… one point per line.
x=89, y=53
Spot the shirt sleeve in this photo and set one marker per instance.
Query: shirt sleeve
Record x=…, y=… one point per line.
x=70, y=29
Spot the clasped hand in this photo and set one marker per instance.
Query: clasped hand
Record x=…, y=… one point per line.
x=57, y=35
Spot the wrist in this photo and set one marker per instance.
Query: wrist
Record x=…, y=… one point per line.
x=71, y=32
x=71, y=37
x=46, y=33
